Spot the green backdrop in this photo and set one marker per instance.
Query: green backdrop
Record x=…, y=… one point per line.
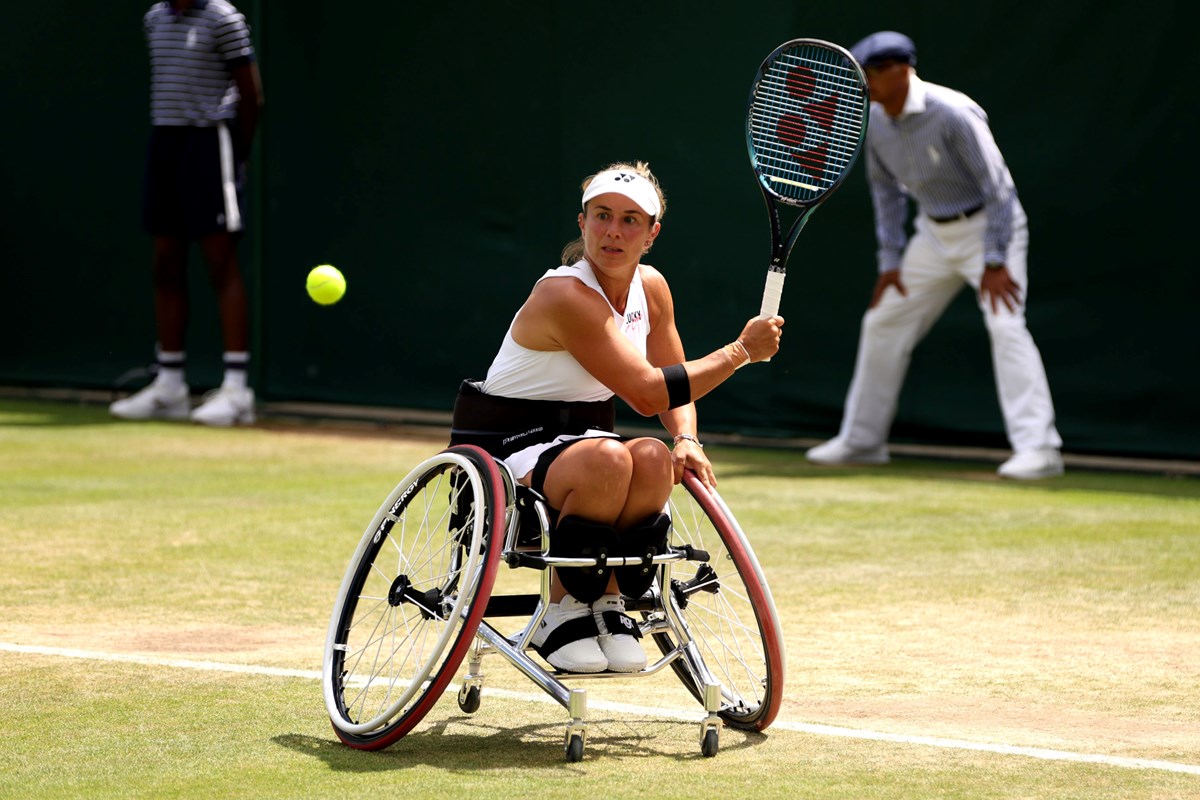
x=434, y=152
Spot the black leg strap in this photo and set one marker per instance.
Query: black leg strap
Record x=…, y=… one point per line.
x=617, y=623
x=645, y=541
x=570, y=631
x=576, y=537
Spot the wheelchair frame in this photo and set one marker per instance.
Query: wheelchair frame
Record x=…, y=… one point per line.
x=417, y=593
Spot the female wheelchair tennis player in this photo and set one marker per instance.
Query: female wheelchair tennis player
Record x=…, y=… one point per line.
x=536, y=477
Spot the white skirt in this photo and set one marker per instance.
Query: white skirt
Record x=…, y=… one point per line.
x=523, y=461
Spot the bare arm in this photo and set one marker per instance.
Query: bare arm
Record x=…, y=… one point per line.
x=664, y=347
x=564, y=314
x=249, y=84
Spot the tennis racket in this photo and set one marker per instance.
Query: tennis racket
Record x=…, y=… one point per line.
x=805, y=124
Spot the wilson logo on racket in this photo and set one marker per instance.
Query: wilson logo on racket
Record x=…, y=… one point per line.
x=811, y=126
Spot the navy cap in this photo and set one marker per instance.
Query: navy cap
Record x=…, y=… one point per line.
x=884, y=46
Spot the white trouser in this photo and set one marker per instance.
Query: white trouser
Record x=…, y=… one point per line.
x=939, y=259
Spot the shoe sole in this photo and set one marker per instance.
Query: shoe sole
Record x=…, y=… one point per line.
x=246, y=419
x=579, y=670
x=1036, y=476
x=170, y=415
x=848, y=462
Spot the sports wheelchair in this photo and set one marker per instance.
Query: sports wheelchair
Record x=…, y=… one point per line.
x=417, y=600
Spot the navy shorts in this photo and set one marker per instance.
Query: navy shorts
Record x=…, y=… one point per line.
x=192, y=186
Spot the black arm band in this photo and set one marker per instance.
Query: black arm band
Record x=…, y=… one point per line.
x=679, y=388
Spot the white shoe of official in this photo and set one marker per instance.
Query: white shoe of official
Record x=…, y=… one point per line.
x=623, y=651
x=226, y=406
x=156, y=401
x=572, y=652
x=836, y=451
x=1033, y=464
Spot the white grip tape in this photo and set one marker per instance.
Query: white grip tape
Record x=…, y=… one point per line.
x=772, y=294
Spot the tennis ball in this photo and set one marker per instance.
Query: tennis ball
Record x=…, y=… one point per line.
x=325, y=284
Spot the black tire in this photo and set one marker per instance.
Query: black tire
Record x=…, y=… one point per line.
x=711, y=743
x=574, y=749
x=727, y=610
x=413, y=596
x=469, y=699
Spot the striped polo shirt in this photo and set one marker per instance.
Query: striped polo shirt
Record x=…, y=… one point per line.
x=190, y=57
x=939, y=151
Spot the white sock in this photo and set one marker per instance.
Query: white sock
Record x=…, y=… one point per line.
x=170, y=368
x=235, y=370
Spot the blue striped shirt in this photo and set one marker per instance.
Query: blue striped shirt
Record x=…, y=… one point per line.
x=940, y=152
x=190, y=56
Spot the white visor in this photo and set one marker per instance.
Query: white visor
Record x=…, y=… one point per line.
x=627, y=183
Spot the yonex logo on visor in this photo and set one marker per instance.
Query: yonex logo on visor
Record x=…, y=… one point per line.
x=629, y=184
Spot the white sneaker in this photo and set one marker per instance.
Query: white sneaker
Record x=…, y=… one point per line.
x=622, y=650
x=156, y=401
x=569, y=629
x=226, y=406
x=835, y=451
x=1033, y=464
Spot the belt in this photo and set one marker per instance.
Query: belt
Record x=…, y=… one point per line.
x=970, y=212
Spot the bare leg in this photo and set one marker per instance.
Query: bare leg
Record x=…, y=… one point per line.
x=651, y=482
x=170, y=292
x=220, y=251
x=610, y=482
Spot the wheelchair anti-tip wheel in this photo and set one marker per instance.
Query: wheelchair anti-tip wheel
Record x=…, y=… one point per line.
x=405, y=615
x=726, y=610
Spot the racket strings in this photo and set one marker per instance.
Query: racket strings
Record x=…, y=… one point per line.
x=793, y=80
x=806, y=121
x=781, y=127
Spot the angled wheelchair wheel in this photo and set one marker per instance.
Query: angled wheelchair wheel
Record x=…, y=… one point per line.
x=726, y=609
x=413, y=596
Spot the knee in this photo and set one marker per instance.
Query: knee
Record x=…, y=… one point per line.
x=876, y=322
x=610, y=461
x=1005, y=327
x=651, y=458
x=220, y=251
x=169, y=267
x=224, y=276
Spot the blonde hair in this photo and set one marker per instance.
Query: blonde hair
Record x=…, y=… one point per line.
x=574, y=250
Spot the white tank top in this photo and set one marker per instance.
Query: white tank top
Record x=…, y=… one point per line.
x=555, y=374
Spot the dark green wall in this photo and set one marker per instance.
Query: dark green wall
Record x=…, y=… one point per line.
x=434, y=154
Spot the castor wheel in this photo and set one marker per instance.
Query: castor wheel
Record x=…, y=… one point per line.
x=574, y=748
x=468, y=699
x=710, y=743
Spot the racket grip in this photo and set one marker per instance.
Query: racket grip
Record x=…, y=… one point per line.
x=772, y=294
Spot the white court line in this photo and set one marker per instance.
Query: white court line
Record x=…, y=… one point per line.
x=625, y=708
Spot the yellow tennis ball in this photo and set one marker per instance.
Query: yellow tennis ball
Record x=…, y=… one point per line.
x=326, y=284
